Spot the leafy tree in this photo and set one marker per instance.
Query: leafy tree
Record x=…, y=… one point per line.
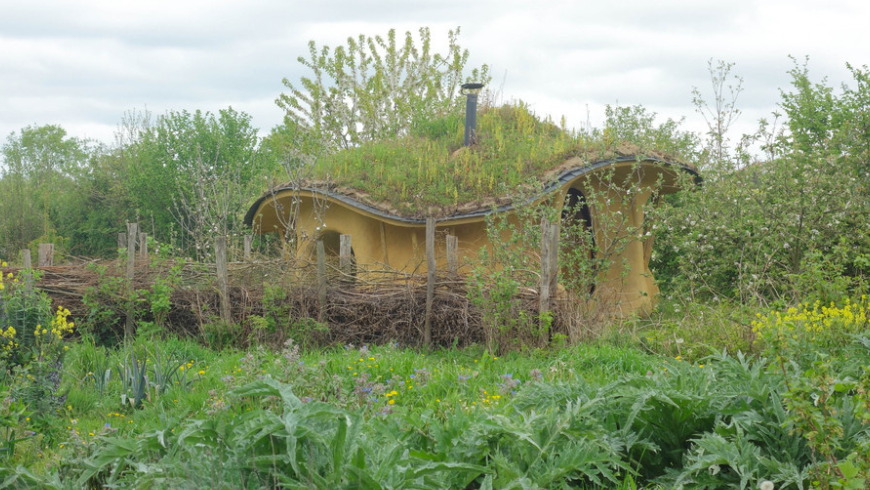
x=822, y=123
x=790, y=228
x=194, y=173
x=100, y=205
x=40, y=167
x=374, y=88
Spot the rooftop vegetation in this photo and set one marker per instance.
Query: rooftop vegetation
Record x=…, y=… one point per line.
x=429, y=167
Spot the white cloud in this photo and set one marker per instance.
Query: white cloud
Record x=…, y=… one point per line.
x=82, y=64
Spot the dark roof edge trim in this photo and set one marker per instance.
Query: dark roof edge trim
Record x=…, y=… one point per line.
x=557, y=183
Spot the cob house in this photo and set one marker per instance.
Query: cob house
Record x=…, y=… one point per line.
x=382, y=193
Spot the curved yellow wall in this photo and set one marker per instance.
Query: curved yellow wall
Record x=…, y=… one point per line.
x=376, y=241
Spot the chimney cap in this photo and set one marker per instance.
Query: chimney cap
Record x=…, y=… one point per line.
x=470, y=88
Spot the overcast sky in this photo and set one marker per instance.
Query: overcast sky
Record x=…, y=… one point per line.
x=82, y=64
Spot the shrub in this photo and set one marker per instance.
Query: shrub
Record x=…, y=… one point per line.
x=788, y=225
x=31, y=357
x=801, y=332
x=821, y=351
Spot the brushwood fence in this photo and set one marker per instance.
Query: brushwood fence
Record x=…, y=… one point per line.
x=330, y=303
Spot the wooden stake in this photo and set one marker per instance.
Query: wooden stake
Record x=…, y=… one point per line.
x=46, y=255
x=453, y=254
x=321, y=279
x=549, y=268
x=248, y=240
x=554, y=257
x=345, y=257
x=143, y=247
x=384, y=243
x=544, y=294
x=220, y=252
x=28, y=274
x=430, y=280
x=132, y=233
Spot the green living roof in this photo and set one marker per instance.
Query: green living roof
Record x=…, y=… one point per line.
x=430, y=172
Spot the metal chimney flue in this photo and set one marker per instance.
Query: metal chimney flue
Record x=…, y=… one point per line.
x=470, y=90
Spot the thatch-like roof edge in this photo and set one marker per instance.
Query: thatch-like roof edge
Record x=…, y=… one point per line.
x=557, y=182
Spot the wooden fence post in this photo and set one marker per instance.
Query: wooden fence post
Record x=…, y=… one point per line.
x=345, y=258
x=28, y=274
x=453, y=254
x=430, y=279
x=248, y=240
x=122, y=240
x=386, y=257
x=46, y=255
x=544, y=291
x=554, y=257
x=132, y=233
x=321, y=280
x=220, y=252
x=143, y=247
x=549, y=266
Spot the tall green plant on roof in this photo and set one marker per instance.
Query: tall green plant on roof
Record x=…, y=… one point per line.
x=429, y=167
x=638, y=125
x=375, y=88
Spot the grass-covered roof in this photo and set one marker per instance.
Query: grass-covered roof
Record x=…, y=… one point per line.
x=429, y=171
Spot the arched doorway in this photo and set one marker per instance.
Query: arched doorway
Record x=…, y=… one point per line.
x=579, y=242
x=576, y=214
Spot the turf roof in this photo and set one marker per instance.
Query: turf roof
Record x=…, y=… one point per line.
x=429, y=172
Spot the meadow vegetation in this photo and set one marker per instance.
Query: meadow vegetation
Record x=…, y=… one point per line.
x=752, y=372
x=430, y=167
x=616, y=412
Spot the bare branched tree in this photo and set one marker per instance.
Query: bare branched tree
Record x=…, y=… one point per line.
x=208, y=203
x=722, y=113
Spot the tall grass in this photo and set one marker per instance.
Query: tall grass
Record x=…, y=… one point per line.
x=596, y=415
x=430, y=167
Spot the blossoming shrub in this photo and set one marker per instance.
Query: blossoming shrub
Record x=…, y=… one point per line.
x=791, y=225
x=32, y=340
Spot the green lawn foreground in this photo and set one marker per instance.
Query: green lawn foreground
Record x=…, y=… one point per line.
x=668, y=402
x=592, y=416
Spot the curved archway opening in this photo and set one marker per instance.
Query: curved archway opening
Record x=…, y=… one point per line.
x=581, y=268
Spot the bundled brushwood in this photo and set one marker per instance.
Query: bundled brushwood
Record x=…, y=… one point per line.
x=396, y=313
x=384, y=306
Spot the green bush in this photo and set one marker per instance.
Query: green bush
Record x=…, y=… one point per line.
x=822, y=351
x=32, y=349
x=783, y=227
